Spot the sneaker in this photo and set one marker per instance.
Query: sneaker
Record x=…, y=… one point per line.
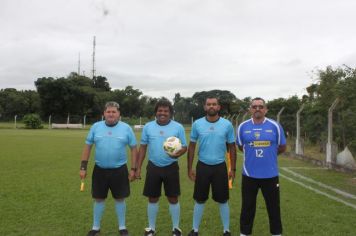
x=227, y=233
x=177, y=232
x=192, y=233
x=124, y=232
x=93, y=232
x=149, y=232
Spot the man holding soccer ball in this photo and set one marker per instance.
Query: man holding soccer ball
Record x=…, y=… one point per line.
x=110, y=171
x=214, y=134
x=162, y=167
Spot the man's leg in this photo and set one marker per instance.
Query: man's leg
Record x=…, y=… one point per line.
x=249, y=190
x=99, y=206
x=225, y=215
x=171, y=186
x=120, y=208
x=270, y=191
x=197, y=215
x=220, y=193
x=152, y=210
x=120, y=189
x=174, y=209
x=99, y=193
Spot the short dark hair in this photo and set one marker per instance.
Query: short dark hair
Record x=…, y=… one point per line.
x=212, y=97
x=258, y=98
x=164, y=103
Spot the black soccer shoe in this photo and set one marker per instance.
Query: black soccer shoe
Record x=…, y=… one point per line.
x=93, y=232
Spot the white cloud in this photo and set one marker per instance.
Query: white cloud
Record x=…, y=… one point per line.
x=162, y=47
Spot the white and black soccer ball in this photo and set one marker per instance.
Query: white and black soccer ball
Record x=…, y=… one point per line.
x=172, y=145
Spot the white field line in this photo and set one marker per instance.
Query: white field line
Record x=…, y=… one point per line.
x=338, y=191
x=306, y=168
x=318, y=191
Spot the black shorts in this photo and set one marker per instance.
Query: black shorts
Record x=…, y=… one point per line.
x=115, y=179
x=214, y=175
x=168, y=175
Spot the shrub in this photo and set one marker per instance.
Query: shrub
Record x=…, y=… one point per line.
x=32, y=121
x=352, y=147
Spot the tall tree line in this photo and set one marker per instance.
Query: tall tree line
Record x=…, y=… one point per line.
x=80, y=95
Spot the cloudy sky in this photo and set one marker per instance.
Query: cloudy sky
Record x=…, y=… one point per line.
x=249, y=47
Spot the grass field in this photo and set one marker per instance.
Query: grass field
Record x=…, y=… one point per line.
x=39, y=194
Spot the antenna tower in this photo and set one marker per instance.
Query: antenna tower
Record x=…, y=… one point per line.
x=79, y=63
x=93, y=71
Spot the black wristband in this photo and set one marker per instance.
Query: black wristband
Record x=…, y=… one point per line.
x=83, y=165
x=233, y=169
x=133, y=168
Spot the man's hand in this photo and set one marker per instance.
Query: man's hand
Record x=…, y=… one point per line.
x=132, y=175
x=232, y=175
x=178, y=153
x=191, y=175
x=138, y=173
x=174, y=155
x=82, y=174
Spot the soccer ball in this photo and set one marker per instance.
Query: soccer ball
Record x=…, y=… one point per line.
x=172, y=145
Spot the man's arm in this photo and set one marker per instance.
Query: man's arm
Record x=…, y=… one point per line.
x=84, y=161
x=232, y=153
x=281, y=149
x=179, y=153
x=133, y=168
x=191, y=152
x=140, y=158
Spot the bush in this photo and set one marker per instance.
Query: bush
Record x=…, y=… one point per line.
x=352, y=147
x=32, y=121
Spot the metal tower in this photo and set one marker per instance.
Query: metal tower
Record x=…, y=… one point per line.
x=93, y=71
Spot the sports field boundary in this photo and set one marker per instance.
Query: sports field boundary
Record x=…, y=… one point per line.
x=321, y=163
x=338, y=191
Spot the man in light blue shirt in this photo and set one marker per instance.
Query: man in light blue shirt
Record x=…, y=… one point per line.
x=214, y=134
x=161, y=167
x=110, y=171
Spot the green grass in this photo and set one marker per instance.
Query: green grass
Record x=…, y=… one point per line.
x=39, y=194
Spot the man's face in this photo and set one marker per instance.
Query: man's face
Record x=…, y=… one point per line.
x=211, y=107
x=258, y=109
x=163, y=115
x=112, y=115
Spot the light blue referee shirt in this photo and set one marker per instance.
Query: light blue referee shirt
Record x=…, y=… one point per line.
x=260, y=144
x=212, y=138
x=154, y=136
x=110, y=143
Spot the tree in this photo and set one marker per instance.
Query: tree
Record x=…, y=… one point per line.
x=148, y=104
x=345, y=119
x=225, y=97
x=312, y=92
x=183, y=108
x=101, y=83
x=129, y=100
x=288, y=117
x=13, y=102
x=331, y=84
x=61, y=96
